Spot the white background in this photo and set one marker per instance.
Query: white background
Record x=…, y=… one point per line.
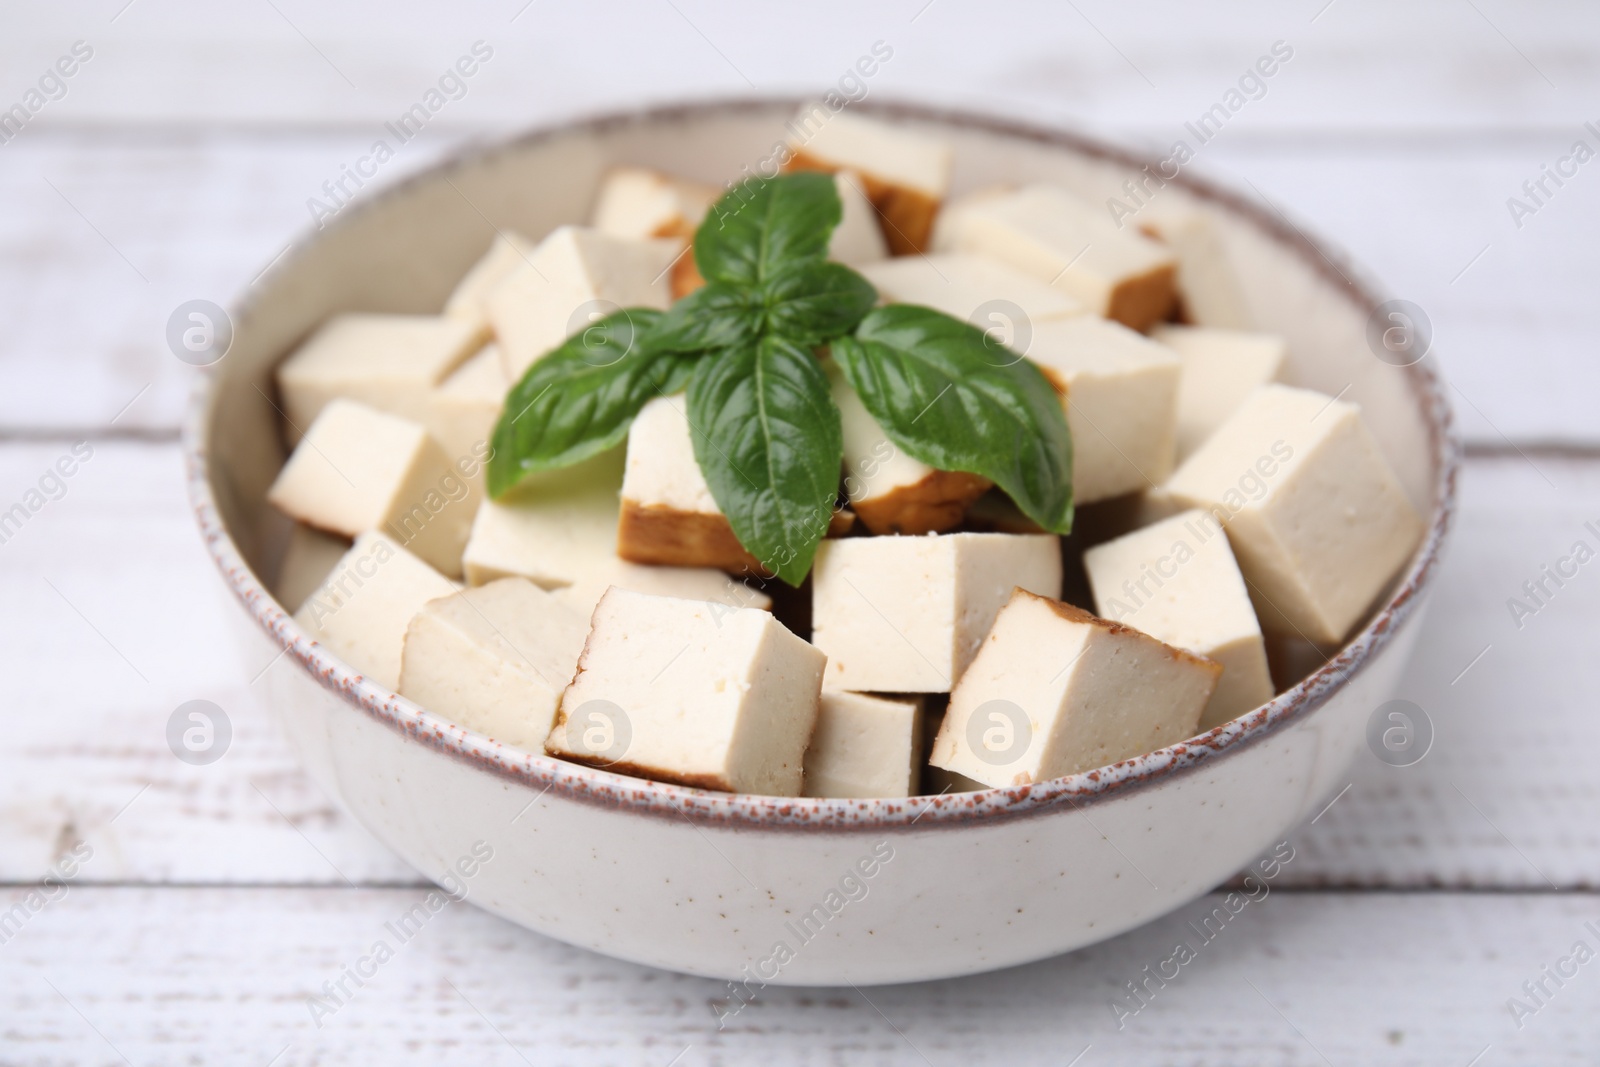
x=178, y=164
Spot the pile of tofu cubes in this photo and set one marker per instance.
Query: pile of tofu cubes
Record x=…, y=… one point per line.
x=606, y=613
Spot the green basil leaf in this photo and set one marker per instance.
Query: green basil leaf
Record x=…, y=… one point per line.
x=717, y=315
x=767, y=438
x=763, y=225
x=580, y=399
x=931, y=382
x=812, y=303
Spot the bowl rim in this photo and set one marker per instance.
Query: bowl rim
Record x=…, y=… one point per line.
x=741, y=810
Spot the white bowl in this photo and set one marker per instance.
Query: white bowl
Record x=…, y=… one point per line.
x=765, y=889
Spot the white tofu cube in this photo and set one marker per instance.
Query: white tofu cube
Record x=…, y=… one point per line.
x=858, y=239
x=688, y=583
x=1055, y=691
x=904, y=173
x=1220, y=369
x=494, y=659
x=507, y=252
x=358, y=469
x=388, y=362
x=1178, y=582
x=864, y=746
x=361, y=611
x=308, y=559
x=973, y=289
x=1317, y=520
x=906, y=614
x=1057, y=238
x=1120, y=391
x=638, y=203
x=1209, y=290
x=689, y=692
x=890, y=492
x=575, y=276
x=668, y=513
x=555, y=529
x=463, y=410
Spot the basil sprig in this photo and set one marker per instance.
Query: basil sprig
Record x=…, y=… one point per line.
x=765, y=428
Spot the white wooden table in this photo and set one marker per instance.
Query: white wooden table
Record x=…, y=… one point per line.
x=212, y=901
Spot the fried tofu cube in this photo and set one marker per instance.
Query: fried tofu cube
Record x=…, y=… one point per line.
x=975, y=289
x=359, y=469
x=864, y=746
x=890, y=492
x=1120, y=392
x=506, y=253
x=1055, y=690
x=575, y=276
x=1209, y=290
x=1316, y=517
x=363, y=608
x=389, y=362
x=308, y=559
x=1220, y=369
x=1178, y=582
x=907, y=614
x=637, y=203
x=668, y=513
x=905, y=174
x=494, y=659
x=693, y=693
x=555, y=529
x=1057, y=238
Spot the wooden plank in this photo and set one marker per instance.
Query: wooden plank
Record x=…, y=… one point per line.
x=1355, y=66
x=146, y=222
x=108, y=633
x=225, y=975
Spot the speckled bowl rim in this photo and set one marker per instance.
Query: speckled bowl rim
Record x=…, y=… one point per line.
x=653, y=799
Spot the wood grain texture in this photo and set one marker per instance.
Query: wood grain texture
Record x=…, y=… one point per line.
x=1504, y=799
x=219, y=975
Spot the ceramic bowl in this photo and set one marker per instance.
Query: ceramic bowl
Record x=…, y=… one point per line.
x=795, y=891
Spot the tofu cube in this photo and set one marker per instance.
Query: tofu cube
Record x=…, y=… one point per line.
x=638, y=203
x=888, y=490
x=494, y=659
x=388, y=362
x=574, y=276
x=1317, y=519
x=688, y=583
x=308, y=559
x=1209, y=290
x=555, y=529
x=973, y=289
x=1120, y=392
x=1220, y=368
x=858, y=239
x=363, y=608
x=358, y=469
x=463, y=410
x=907, y=614
x=1055, y=691
x=689, y=692
x=668, y=513
x=904, y=173
x=507, y=252
x=1070, y=243
x=864, y=746
x=1178, y=582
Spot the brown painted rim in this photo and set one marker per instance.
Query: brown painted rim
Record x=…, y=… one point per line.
x=588, y=785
